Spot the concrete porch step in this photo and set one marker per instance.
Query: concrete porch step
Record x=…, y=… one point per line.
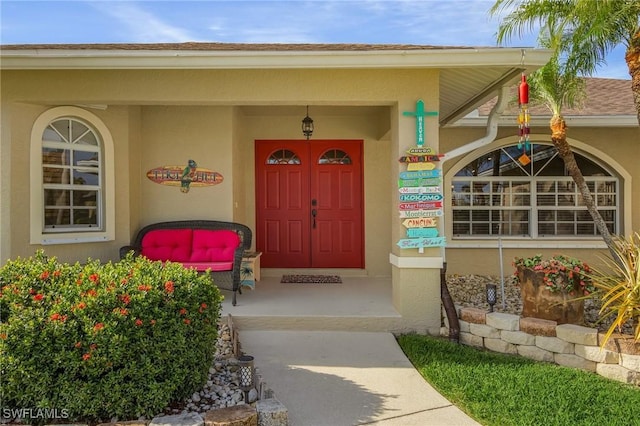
x=359, y=303
x=318, y=323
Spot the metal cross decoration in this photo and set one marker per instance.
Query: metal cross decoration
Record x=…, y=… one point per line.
x=420, y=114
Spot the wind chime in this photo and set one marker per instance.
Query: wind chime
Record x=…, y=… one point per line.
x=523, y=121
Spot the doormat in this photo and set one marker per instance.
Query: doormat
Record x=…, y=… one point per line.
x=311, y=279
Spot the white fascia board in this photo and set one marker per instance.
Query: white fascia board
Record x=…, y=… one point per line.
x=190, y=59
x=574, y=121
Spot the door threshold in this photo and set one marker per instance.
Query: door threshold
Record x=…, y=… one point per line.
x=345, y=272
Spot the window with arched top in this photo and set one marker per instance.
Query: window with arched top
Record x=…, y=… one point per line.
x=72, y=178
x=334, y=156
x=506, y=193
x=283, y=156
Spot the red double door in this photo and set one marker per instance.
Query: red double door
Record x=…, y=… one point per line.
x=309, y=203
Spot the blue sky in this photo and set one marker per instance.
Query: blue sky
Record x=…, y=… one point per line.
x=430, y=22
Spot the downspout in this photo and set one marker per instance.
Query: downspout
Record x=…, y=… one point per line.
x=492, y=128
x=492, y=132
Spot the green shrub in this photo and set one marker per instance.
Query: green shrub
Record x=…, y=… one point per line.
x=101, y=340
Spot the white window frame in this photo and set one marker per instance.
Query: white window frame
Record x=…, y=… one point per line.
x=560, y=241
x=106, y=212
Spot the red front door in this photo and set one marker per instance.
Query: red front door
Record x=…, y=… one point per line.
x=309, y=204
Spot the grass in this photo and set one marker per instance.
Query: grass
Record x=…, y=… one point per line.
x=502, y=390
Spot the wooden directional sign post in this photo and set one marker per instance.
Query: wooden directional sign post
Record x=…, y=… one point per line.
x=420, y=190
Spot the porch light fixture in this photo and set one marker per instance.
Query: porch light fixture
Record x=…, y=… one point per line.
x=492, y=294
x=246, y=373
x=307, y=125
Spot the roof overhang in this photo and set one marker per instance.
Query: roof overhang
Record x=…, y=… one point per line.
x=543, y=121
x=468, y=76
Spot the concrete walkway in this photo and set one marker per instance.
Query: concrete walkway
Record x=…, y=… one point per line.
x=342, y=378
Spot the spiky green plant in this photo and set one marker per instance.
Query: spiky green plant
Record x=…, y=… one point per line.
x=618, y=284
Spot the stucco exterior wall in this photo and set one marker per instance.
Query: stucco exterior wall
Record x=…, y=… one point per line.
x=172, y=135
x=165, y=117
x=482, y=256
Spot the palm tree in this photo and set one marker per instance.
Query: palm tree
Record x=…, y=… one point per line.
x=557, y=85
x=590, y=30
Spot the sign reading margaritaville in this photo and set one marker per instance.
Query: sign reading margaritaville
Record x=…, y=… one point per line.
x=420, y=190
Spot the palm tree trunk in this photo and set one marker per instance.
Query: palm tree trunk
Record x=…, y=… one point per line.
x=559, y=139
x=632, y=56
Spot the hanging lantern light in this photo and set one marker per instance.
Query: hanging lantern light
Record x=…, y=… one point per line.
x=523, y=120
x=307, y=125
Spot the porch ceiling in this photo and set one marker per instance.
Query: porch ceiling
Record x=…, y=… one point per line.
x=469, y=76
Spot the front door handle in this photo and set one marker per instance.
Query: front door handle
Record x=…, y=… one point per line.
x=314, y=213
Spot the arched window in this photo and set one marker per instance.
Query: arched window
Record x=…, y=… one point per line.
x=71, y=178
x=506, y=193
x=334, y=156
x=283, y=156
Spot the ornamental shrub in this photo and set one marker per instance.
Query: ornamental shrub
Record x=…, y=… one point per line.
x=96, y=340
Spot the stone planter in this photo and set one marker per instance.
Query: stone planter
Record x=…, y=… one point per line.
x=538, y=302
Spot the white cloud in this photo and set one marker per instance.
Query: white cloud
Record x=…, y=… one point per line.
x=142, y=26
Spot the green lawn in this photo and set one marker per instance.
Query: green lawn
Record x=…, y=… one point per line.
x=501, y=390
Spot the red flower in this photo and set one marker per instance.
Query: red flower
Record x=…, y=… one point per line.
x=86, y=356
x=125, y=298
x=80, y=305
x=99, y=326
x=57, y=317
x=153, y=322
x=44, y=275
x=139, y=322
x=203, y=306
x=94, y=278
x=187, y=321
x=3, y=336
x=38, y=297
x=78, y=345
x=183, y=311
x=56, y=273
x=124, y=312
x=144, y=287
x=168, y=286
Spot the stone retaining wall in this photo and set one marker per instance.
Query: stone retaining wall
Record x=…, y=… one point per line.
x=542, y=340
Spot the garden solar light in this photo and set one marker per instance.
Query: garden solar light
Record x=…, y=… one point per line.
x=491, y=296
x=245, y=362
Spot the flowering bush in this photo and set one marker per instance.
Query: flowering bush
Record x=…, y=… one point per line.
x=561, y=273
x=102, y=340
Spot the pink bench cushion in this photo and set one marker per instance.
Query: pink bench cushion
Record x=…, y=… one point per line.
x=167, y=244
x=214, y=246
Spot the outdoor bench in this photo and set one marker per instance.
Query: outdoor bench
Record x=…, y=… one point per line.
x=204, y=245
